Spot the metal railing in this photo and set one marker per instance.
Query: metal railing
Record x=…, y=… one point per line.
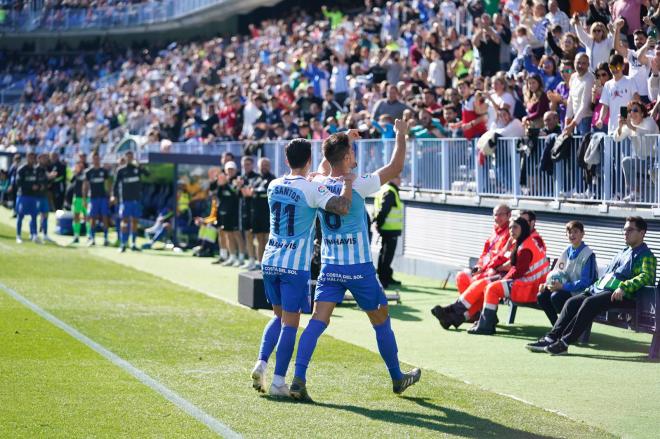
x=625, y=172
x=102, y=17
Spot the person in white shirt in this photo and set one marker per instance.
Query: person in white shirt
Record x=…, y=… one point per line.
x=557, y=16
x=498, y=98
x=437, y=76
x=508, y=126
x=637, y=59
x=640, y=128
x=578, y=107
x=617, y=93
x=598, y=43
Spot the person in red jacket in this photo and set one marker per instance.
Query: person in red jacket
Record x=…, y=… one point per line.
x=493, y=254
x=529, y=268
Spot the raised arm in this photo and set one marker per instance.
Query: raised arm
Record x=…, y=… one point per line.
x=620, y=48
x=395, y=166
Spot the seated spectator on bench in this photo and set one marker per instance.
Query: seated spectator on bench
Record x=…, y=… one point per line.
x=575, y=271
x=529, y=267
x=493, y=254
x=630, y=270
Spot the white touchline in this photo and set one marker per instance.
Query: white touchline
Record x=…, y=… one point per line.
x=185, y=405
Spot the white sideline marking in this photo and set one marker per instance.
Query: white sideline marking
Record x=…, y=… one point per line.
x=185, y=405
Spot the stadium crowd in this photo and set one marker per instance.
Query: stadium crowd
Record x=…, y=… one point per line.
x=557, y=68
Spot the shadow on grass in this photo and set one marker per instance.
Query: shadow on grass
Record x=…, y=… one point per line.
x=406, y=313
x=441, y=419
x=415, y=290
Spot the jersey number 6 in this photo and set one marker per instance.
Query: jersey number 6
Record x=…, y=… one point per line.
x=332, y=220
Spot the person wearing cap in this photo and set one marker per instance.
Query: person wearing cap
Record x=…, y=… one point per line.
x=127, y=189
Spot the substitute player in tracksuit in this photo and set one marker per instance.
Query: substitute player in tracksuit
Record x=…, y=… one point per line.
x=293, y=202
x=43, y=195
x=79, y=202
x=127, y=189
x=27, y=189
x=346, y=260
x=96, y=178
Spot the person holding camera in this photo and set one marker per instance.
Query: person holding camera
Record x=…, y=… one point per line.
x=487, y=41
x=635, y=123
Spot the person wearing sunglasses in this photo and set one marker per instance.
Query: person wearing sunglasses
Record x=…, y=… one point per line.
x=617, y=93
x=637, y=125
x=603, y=75
x=630, y=270
x=638, y=61
x=578, y=106
x=597, y=42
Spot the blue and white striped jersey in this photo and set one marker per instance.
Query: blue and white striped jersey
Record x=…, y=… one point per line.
x=346, y=238
x=293, y=202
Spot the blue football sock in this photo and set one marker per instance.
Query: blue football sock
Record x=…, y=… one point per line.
x=133, y=236
x=306, y=346
x=33, y=225
x=269, y=338
x=284, y=352
x=44, y=225
x=123, y=237
x=19, y=224
x=388, y=349
x=105, y=233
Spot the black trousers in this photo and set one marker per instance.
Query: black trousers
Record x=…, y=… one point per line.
x=552, y=302
x=581, y=310
x=385, y=258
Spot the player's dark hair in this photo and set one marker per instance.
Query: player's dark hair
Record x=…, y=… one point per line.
x=298, y=152
x=336, y=147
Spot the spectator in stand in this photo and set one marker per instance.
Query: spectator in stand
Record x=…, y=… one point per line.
x=578, y=106
x=638, y=61
x=330, y=107
x=384, y=126
x=474, y=112
x=536, y=102
x=599, y=11
x=598, y=43
x=499, y=97
x=603, y=75
x=558, y=96
x=556, y=16
x=574, y=272
x=551, y=123
x=392, y=105
x=504, y=31
x=428, y=127
x=631, y=269
x=569, y=45
x=617, y=93
x=437, y=72
x=391, y=62
x=487, y=42
x=636, y=126
x=629, y=11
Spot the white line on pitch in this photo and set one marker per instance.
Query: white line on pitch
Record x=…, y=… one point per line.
x=185, y=405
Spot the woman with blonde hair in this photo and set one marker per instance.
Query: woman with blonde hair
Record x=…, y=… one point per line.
x=598, y=42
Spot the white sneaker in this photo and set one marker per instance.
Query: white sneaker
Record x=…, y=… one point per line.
x=237, y=264
x=246, y=265
x=230, y=262
x=91, y=243
x=282, y=390
x=257, y=267
x=259, y=377
x=19, y=240
x=47, y=238
x=36, y=239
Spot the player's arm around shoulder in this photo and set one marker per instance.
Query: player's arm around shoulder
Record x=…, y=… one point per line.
x=342, y=204
x=395, y=166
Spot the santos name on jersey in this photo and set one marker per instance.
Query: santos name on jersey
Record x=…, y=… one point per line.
x=346, y=238
x=293, y=202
